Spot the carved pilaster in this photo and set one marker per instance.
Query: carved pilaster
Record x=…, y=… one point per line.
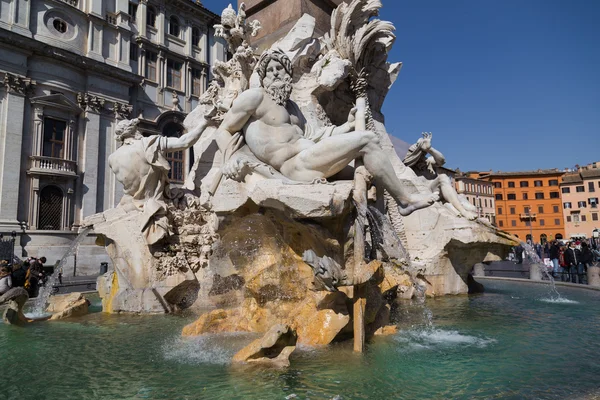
x=18, y=84
x=38, y=121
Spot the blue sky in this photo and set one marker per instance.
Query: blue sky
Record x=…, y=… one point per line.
x=502, y=84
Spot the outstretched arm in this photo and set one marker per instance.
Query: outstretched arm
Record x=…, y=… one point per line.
x=189, y=139
x=240, y=112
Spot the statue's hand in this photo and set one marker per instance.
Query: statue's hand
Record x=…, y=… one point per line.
x=430, y=164
x=352, y=119
x=426, y=141
x=236, y=169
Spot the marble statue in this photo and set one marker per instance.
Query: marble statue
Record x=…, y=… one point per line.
x=140, y=165
x=428, y=167
x=274, y=131
x=300, y=208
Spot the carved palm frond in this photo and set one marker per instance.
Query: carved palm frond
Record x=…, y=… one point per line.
x=355, y=35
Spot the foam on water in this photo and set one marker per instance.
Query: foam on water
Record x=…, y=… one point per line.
x=431, y=338
x=205, y=349
x=558, y=300
x=37, y=314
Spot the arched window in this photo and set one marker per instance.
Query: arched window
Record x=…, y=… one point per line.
x=196, y=36
x=177, y=158
x=50, y=211
x=174, y=26
x=151, y=16
x=543, y=238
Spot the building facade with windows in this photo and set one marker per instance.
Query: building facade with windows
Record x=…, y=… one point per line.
x=580, y=192
x=478, y=192
x=528, y=204
x=71, y=70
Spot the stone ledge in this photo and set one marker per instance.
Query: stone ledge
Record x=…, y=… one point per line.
x=301, y=200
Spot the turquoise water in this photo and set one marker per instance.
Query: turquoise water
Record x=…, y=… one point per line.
x=513, y=342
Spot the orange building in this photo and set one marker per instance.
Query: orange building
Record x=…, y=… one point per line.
x=528, y=204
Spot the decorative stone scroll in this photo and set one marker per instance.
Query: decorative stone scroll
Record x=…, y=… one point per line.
x=19, y=84
x=90, y=102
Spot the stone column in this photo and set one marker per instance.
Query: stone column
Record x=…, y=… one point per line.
x=204, y=79
x=70, y=139
x=89, y=159
x=142, y=61
x=141, y=17
x=535, y=272
x=204, y=44
x=34, y=205
x=160, y=22
x=187, y=36
x=593, y=275
x=161, y=68
x=11, y=140
x=38, y=131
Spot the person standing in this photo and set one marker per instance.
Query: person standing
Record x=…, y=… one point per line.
x=554, y=253
x=519, y=254
x=587, y=258
x=573, y=261
x=35, y=276
x=5, y=280
x=18, y=275
x=538, y=250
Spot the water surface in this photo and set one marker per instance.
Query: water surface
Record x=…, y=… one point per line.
x=514, y=342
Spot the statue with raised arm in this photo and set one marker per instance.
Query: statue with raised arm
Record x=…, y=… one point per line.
x=417, y=159
x=140, y=165
x=277, y=134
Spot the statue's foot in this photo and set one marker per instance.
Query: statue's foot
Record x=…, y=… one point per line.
x=471, y=216
x=427, y=198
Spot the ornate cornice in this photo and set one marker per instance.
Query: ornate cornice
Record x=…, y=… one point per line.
x=19, y=84
x=24, y=43
x=90, y=102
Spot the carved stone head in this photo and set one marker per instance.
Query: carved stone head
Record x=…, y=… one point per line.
x=270, y=55
x=127, y=128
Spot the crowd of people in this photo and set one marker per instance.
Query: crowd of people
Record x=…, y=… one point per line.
x=29, y=274
x=569, y=260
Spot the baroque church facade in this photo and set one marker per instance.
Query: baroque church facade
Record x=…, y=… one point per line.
x=71, y=70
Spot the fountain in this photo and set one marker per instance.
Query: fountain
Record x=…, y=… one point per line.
x=298, y=213
x=298, y=257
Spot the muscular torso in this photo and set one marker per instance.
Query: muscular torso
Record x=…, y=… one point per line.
x=273, y=134
x=129, y=165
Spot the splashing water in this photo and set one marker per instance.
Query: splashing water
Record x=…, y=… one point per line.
x=46, y=290
x=427, y=313
x=536, y=262
x=434, y=338
x=216, y=349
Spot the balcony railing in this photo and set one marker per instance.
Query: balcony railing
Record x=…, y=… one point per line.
x=52, y=166
x=527, y=216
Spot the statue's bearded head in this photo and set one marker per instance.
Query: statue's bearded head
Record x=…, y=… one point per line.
x=127, y=128
x=275, y=71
